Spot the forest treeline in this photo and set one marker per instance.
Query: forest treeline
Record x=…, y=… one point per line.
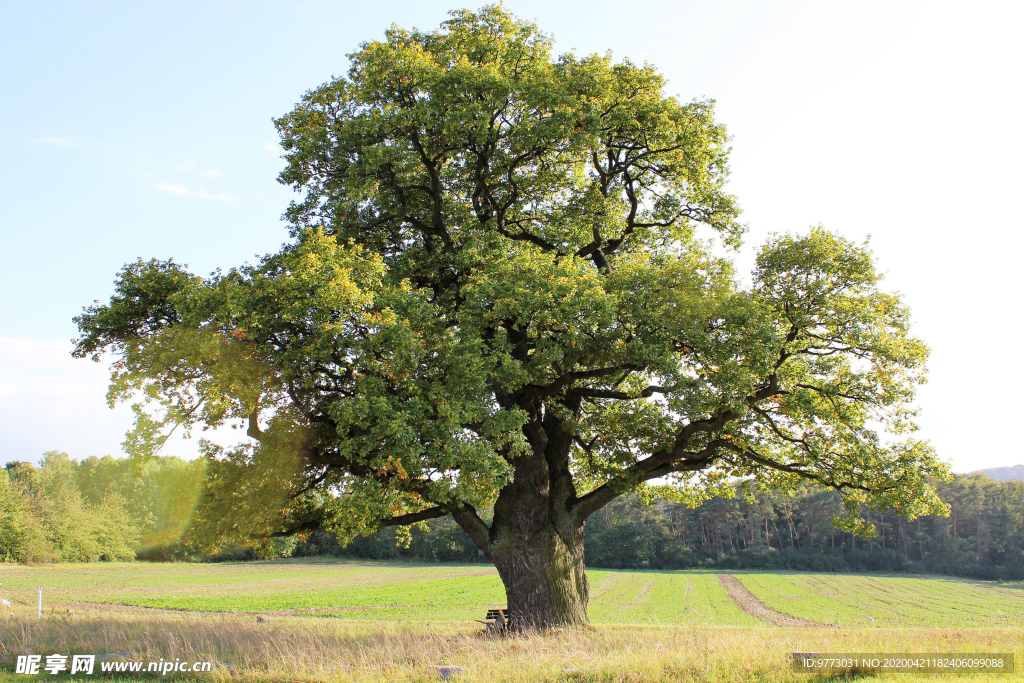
x=115, y=509
x=98, y=509
x=983, y=537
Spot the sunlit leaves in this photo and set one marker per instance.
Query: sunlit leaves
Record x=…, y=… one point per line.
x=491, y=240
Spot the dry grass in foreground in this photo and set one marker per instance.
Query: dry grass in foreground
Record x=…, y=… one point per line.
x=309, y=649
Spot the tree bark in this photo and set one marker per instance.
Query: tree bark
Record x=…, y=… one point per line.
x=536, y=538
x=545, y=580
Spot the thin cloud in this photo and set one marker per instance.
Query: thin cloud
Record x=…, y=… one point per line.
x=39, y=379
x=271, y=147
x=59, y=141
x=191, y=168
x=182, y=191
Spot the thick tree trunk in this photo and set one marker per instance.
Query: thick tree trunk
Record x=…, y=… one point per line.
x=536, y=538
x=545, y=580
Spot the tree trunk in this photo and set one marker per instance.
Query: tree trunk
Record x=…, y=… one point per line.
x=920, y=540
x=545, y=580
x=536, y=538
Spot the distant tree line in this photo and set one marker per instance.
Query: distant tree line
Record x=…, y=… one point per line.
x=983, y=537
x=121, y=509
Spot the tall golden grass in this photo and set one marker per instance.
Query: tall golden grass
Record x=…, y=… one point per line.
x=280, y=649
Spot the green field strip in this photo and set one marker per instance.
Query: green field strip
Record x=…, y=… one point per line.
x=692, y=599
x=716, y=604
x=958, y=603
x=668, y=598
x=601, y=582
x=635, y=605
x=936, y=602
x=428, y=594
x=886, y=601
x=365, y=591
x=808, y=597
x=423, y=593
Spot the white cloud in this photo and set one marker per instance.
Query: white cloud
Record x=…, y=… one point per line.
x=51, y=401
x=182, y=191
x=59, y=141
x=272, y=147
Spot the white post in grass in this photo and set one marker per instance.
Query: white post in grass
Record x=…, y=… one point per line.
x=39, y=604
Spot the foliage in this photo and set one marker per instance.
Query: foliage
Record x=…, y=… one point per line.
x=440, y=540
x=159, y=494
x=50, y=520
x=20, y=535
x=983, y=537
x=146, y=508
x=503, y=290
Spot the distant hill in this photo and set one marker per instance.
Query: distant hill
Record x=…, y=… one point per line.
x=1003, y=473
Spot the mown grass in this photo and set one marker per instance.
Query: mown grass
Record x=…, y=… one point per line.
x=364, y=590
x=460, y=593
x=889, y=601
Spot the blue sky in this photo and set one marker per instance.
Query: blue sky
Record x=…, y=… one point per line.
x=144, y=130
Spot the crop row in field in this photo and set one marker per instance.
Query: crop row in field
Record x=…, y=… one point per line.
x=889, y=601
x=460, y=593
x=367, y=591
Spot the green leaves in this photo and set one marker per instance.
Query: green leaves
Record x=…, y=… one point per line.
x=499, y=258
x=847, y=370
x=141, y=305
x=444, y=143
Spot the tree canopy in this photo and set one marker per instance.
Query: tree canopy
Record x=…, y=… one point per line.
x=505, y=288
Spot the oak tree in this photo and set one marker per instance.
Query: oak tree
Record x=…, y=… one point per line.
x=503, y=293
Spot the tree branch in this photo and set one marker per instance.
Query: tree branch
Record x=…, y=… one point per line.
x=413, y=517
x=466, y=516
x=254, y=431
x=586, y=392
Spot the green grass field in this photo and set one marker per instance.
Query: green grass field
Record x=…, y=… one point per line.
x=361, y=590
x=372, y=621
x=459, y=593
x=890, y=601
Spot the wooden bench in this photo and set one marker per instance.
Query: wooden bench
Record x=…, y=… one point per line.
x=497, y=619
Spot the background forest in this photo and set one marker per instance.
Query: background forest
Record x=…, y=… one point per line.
x=120, y=509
